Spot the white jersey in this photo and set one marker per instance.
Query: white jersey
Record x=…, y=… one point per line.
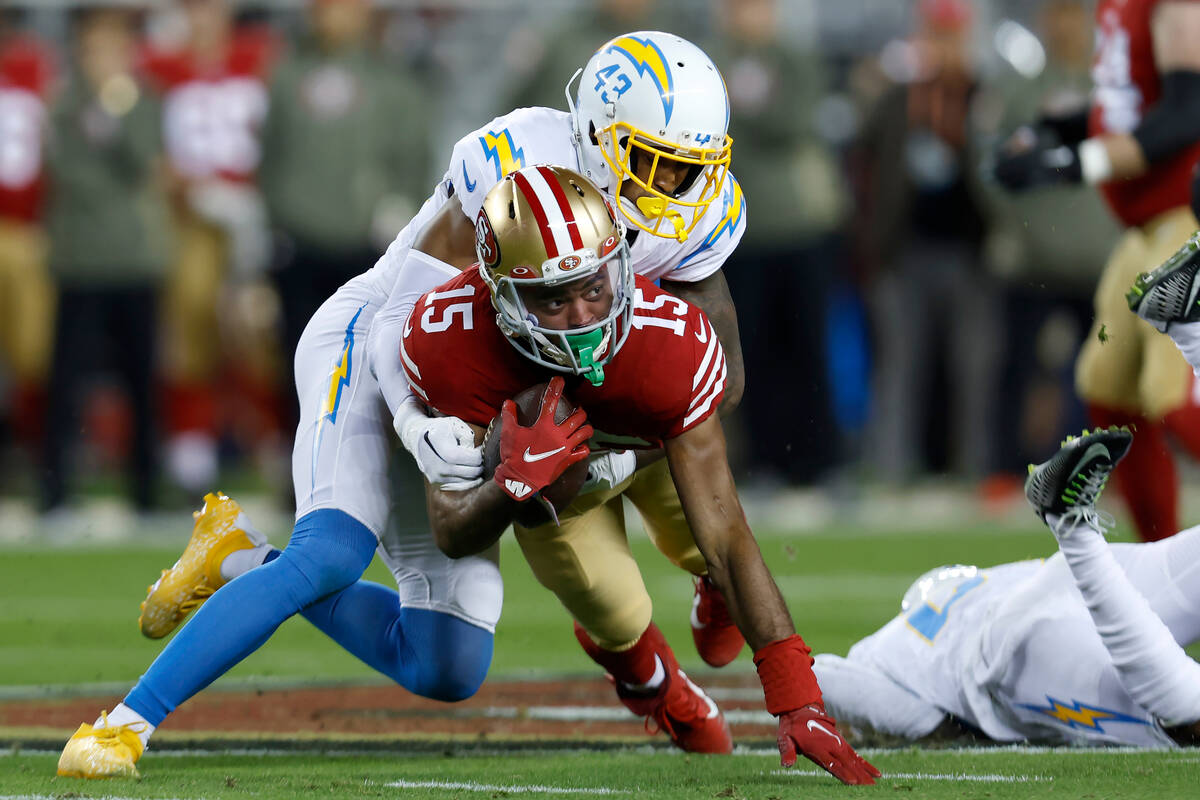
x=1013, y=651
x=529, y=136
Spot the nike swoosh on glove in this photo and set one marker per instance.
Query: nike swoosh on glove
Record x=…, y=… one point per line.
x=532, y=458
x=813, y=733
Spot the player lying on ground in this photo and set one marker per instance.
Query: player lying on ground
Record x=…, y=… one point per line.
x=649, y=121
x=1084, y=647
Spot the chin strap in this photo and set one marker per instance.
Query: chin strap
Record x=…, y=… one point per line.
x=584, y=346
x=657, y=208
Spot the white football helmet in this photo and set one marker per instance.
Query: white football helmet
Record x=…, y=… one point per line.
x=652, y=95
x=549, y=226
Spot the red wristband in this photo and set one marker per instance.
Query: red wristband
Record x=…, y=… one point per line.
x=785, y=669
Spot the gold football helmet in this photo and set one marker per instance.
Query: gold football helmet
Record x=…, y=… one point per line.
x=545, y=226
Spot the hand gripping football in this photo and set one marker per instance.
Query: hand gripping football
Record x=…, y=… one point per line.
x=561, y=493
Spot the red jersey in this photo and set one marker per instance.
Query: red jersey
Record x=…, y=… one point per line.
x=1127, y=83
x=212, y=114
x=26, y=74
x=668, y=377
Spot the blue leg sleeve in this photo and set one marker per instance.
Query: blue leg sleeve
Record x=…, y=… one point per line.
x=430, y=653
x=328, y=551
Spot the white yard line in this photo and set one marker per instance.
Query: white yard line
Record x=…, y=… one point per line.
x=486, y=787
x=925, y=776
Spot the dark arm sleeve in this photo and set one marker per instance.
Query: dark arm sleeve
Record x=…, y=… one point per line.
x=1173, y=123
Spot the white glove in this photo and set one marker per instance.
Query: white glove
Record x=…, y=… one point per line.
x=607, y=470
x=444, y=447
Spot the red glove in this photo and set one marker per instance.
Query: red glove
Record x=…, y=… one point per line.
x=811, y=731
x=533, y=458
x=792, y=694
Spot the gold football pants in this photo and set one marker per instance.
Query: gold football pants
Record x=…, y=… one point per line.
x=192, y=341
x=1125, y=363
x=587, y=563
x=26, y=301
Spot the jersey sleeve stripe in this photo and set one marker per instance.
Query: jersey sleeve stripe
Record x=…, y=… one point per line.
x=703, y=408
x=708, y=354
x=408, y=362
x=718, y=367
x=412, y=373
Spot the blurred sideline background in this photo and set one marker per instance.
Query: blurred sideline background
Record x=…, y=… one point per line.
x=182, y=184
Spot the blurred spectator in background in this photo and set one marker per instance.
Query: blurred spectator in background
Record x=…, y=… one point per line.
x=782, y=273
x=108, y=242
x=214, y=96
x=1047, y=246
x=1140, y=143
x=345, y=162
x=26, y=294
x=921, y=231
x=545, y=60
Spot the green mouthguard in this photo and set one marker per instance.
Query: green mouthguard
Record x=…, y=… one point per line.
x=584, y=345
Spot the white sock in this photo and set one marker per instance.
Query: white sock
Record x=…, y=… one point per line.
x=124, y=715
x=656, y=680
x=242, y=561
x=1186, y=336
x=1152, y=667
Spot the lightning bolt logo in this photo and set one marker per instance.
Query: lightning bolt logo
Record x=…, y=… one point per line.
x=338, y=380
x=647, y=59
x=340, y=377
x=500, y=149
x=1078, y=715
x=733, y=207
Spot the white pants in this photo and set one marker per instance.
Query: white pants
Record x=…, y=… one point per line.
x=1016, y=654
x=345, y=459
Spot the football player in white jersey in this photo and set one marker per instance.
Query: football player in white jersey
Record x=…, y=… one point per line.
x=1085, y=647
x=649, y=125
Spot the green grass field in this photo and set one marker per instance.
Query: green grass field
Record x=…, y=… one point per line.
x=68, y=619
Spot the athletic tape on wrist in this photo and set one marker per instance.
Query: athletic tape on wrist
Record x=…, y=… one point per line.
x=785, y=669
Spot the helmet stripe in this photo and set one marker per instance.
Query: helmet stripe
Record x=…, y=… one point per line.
x=563, y=205
x=539, y=213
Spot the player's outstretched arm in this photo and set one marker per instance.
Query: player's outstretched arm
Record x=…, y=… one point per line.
x=700, y=469
x=711, y=295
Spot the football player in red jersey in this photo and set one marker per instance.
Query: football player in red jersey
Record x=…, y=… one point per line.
x=214, y=99
x=554, y=295
x=27, y=73
x=1139, y=142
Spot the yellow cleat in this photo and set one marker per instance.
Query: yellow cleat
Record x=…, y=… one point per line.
x=102, y=752
x=221, y=528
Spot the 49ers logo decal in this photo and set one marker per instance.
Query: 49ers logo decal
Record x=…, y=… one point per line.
x=569, y=263
x=485, y=241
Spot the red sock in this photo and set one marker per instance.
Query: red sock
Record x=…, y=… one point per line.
x=1146, y=476
x=189, y=406
x=29, y=411
x=634, y=666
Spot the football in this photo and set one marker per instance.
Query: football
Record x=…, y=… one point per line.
x=562, y=492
